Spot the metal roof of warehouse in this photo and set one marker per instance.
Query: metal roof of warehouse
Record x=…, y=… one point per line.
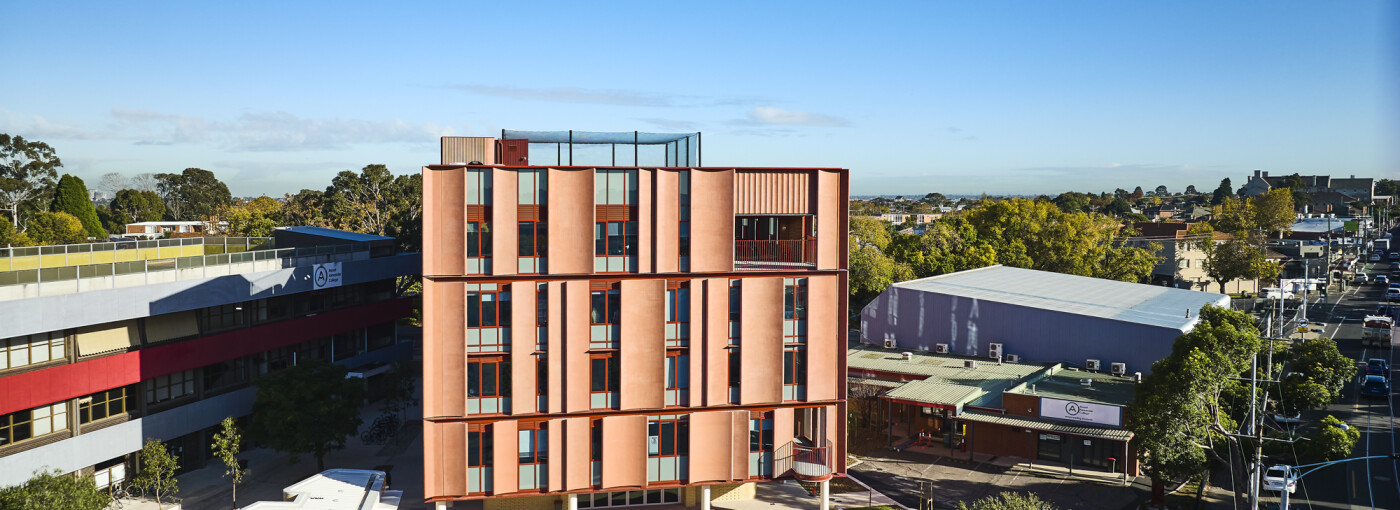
x=945, y=379
x=1028, y=423
x=1081, y=295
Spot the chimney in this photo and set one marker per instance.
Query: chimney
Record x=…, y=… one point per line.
x=1266, y=175
x=1256, y=173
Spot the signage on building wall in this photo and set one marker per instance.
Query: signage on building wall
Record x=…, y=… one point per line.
x=1084, y=412
x=324, y=276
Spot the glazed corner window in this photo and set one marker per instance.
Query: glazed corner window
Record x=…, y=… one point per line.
x=678, y=304
x=488, y=377
x=480, y=447
x=677, y=370
x=606, y=306
x=795, y=299
x=734, y=300
x=534, y=443
x=734, y=371
x=533, y=240
x=478, y=239
x=668, y=437
x=170, y=387
x=761, y=433
x=606, y=373
x=103, y=404
x=31, y=423
x=489, y=309
x=794, y=366
x=615, y=238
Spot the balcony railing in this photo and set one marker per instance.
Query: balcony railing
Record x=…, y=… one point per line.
x=808, y=463
x=789, y=251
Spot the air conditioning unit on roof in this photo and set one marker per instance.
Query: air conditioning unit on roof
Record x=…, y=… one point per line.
x=890, y=343
x=1118, y=368
x=994, y=350
x=1091, y=365
x=969, y=363
x=1012, y=358
x=940, y=348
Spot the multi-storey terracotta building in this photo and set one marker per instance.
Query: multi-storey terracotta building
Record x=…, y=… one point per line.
x=604, y=336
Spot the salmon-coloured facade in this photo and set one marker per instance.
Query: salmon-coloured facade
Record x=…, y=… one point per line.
x=609, y=336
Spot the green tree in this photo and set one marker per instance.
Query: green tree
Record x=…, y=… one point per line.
x=1072, y=202
x=1273, y=211
x=1161, y=191
x=306, y=208
x=54, y=491
x=192, y=195
x=1136, y=195
x=27, y=170
x=72, y=197
x=10, y=236
x=1180, y=413
x=1119, y=207
x=1320, y=360
x=1191, y=189
x=56, y=228
x=374, y=201
x=309, y=408
x=1388, y=187
x=871, y=272
x=252, y=218
x=1008, y=501
x=1330, y=441
x=400, y=388
x=868, y=231
x=1221, y=192
x=1233, y=259
x=228, y=442
x=157, y=477
x=134, y=206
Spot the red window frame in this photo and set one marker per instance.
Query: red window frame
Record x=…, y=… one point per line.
x=673, y=437
x=605, y=303
x=497, y=317
x=499, y=378
x=675, y=360
x=794, y=365
x=611, y=378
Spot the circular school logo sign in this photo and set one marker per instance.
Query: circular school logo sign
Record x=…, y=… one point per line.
x=1072, y=409
x=323, y=275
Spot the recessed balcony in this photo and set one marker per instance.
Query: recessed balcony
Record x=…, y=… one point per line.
x=774, y=242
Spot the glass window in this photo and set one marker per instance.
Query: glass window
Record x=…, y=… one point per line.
x=606, y=373
x=103, y=404
x=170, y=387
x=488, y=377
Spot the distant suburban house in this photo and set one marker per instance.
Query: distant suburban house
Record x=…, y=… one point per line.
x=1182, y=262
x=1164, y=211
x=1357, y=188
x=154, y=229
x=898, y=218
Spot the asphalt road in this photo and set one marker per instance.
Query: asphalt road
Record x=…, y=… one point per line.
x=1373, y=484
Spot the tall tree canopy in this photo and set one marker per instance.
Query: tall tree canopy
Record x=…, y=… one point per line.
x=1180, y=412
x=55, y=491
x=253, y=218
x=1224, y=190
x=56, y=228
x=193, y=195
x=27, y=170
x=374, y=201
x=72, y=197
x=308, y=408
x=134, y=206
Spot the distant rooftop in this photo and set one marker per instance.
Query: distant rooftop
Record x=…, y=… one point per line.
x=1081, y=295
x=944, y=379
x=1067, y=384
x=354, y=237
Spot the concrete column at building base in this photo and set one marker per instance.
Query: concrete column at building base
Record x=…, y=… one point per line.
x=443, y=505
x=705, y=497
x=826, y=495
x=573, y=502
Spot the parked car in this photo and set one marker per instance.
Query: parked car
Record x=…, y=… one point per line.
x=1394, y=255
x=1375, y=257
x=1375, y=386
x=1382, y=279
x=1288, y=420
x=1273, y=293
x=1280, y=478
x=1360, y=278
x=1392, y=294
x=1378, y=366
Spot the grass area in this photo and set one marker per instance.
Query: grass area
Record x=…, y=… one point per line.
x=838, y=485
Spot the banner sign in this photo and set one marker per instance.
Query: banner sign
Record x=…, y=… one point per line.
x=324, y=276
x=1083, y=412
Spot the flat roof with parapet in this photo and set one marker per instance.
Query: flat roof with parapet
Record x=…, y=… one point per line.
x=945, y=380
x=1068, y=384
x=1080, y=295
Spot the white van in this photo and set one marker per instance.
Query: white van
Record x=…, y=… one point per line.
x=1273, y=293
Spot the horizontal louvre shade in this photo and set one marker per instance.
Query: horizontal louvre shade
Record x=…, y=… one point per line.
x=616, y=213
x=117, y=336
x=478, y=213
x=529, y=213
x=170, y=326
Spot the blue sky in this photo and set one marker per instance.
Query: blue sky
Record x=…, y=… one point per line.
x=967, y=97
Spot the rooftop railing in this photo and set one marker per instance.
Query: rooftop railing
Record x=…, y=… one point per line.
x=24, y=283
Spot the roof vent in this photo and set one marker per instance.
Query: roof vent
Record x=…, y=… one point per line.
x=908, y=356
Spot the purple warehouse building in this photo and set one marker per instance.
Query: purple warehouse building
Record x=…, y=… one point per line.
x=1028, y=315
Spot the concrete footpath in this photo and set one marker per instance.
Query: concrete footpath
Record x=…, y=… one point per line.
x=270, y=471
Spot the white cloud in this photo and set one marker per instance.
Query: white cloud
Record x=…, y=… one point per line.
x=773, y=115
